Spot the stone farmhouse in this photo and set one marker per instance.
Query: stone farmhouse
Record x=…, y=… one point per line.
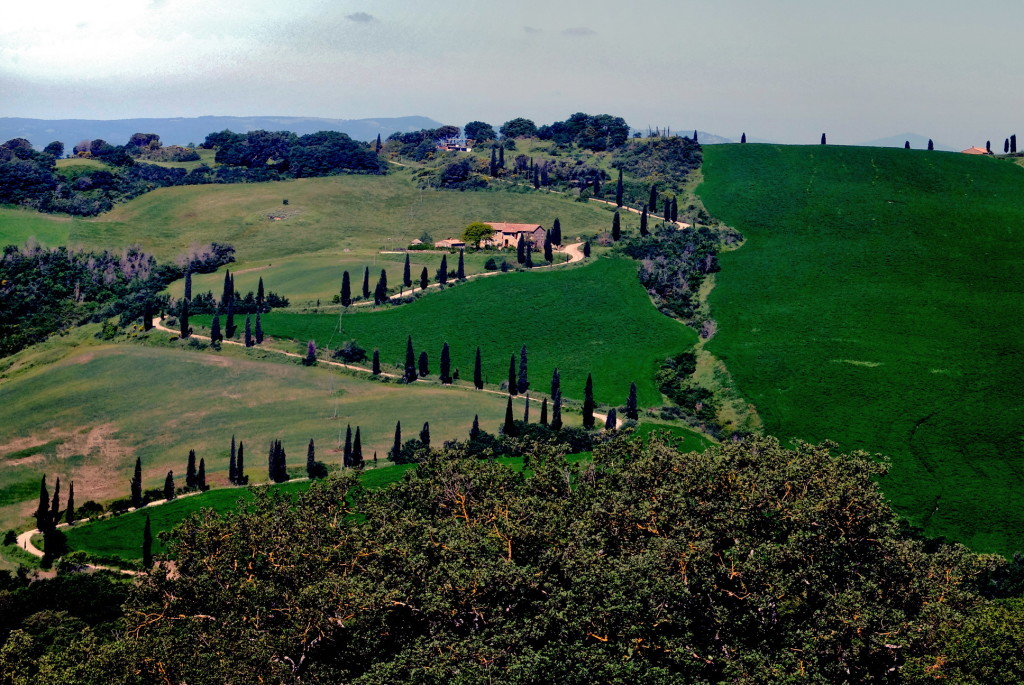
x=507, y=235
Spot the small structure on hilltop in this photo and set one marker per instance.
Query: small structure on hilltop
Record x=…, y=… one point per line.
x=507, y=235
x=455, y=145
x=976, y=151
x=450, y=243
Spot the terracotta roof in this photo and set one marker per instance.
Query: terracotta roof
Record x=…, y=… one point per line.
x=501, y=227
x=975, y=151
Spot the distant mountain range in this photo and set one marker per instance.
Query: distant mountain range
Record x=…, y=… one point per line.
x=182, y=131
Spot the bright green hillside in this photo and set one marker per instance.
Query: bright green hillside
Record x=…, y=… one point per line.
x=594, y=319
x=877, y=302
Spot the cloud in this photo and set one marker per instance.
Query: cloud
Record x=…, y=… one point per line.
x=530, y=29
x=361, y=17
x=578, y=31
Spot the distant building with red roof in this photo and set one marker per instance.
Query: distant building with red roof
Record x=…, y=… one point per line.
x=976, y=151
x=507, y=235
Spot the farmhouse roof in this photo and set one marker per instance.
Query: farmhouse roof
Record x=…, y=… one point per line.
x=975, y=151
x=502, y=227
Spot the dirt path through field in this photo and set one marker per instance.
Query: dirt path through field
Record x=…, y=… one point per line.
x=679, y=224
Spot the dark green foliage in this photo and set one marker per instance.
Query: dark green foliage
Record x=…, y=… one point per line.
x=201, y=476
x=588, y=403
x=529, y=256
x=822, y=138
x=618, y=190
x=556, y=232
x=445, y=371
x=375, y=369
x=548, y=256
x=675, y=209
x=366, y=283
x=69, y=513
x=350, y=352
x=1013, y=144
x=595, y=132
x=229, y=324
x=260, y=297
x=544, y=412
x=147, y=545
x=316, y=469
x=460, y=272
x=611, y=421
x=509, y=427
x=380, y=292
x=523, y=379
x=310, y=358
x=242, y=479
x=190, y=471
x=396, y=447
x=479, y=131
x=674, y=265
x=258, y=332
x=931, y=145
x=478, y=374
x=442, y=271
x=169, y=486
x=406, y=273
x=425, y=434
x=521, y=250
x=215, y=333
x=631, y=411
x=424, y=364
x=617, y=225
x=409, y=375
x=644, y=231
x=526, y=408
x=586, y=249
x=233, y=464
x=493, y=168
x=474, y=431
x=357, y=450
x=185, y=330
x=670, y=160
x=346, y=290
x=277, y=466
x=135, y=484
x=556, y=400
x=424, y=279
x=743, y=138
x=346, y=452
x=42, y=514
x=652, y=201
x=513, y=377
x=248, y=332
x=518, y=128
x=54, y=517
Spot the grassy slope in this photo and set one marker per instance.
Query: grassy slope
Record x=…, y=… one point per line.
x=594, y=319
x=101, y=405
x=877, y=302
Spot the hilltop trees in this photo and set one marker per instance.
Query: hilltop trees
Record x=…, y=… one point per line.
x=822, y=138
x=518, y=128
x=479, y=131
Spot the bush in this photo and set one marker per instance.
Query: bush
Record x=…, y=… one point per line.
x=350, y=352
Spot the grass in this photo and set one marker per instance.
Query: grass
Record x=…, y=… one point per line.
x=876, y=302
x=119, y=401
x=594, y=319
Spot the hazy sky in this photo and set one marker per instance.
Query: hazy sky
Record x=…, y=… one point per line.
x=784, y=70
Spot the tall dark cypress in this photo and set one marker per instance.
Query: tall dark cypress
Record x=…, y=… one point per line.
x=617, y=226
x=228, y=293
x=588, y=403
x=233, y=464
x=375, y=369
x=260, y=296
x=643, y=223
x=215, y=334
x=460, y=272
x=346, y=452
x=501, y=157
x=445, y=371
x=544, y=412
x=529, y=255
x=310, y=358
x=147, y=545
x=229, y=322
x=396, y=447
x=478, y=373
x=743, y=138
x=695, y=135
x=42, y=514
x=248, y=331
x=69, y=513
x=556, y=232
x=366, y=283
x=1013, y=144
x=931, y=145
x=190, y=470
x=632, y=413
x=425, y=434
x=380, y=293
x=586, y=249
x=424, y=364
x=169, y=486
x=183, y=319
x=357, y=450
x=652, y=201
x=442, y=271
x=556, y=400
x=407, y=272
x=474, y=432
x=135, y=483
x=548, y=254
x=521, y=250
x=311, y=470
x=410, y=362
x=258, y=334
x=597, y=187
x=618, y=191
x=523, y=380
x=509, y=426
x=513, y=378
x=201, y=476
x=424, y=279
x=494, y=162
x=55, y=505
x=667, y=213
x=526, y=409
x=188, y=282
x=147, y=316
x=240, y=477
x=346, y=290
x=377, y=146
x=822, y=138
x=675, y=208
x=611, y=421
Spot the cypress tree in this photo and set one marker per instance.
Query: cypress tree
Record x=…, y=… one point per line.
x=504, y=266
x=548, y=256
x=346, y=452
x=229, y=324
x=675, y=208
x=513, y=380
x=695, y=135
x=260, y=296
x=55, y=505
x=311, y=471
x=377, y=146
x=407, y=272
x=556, y=400
x=424, y=364
x=310, y=358
x=183, y=319
x=509, y=427
x=611, y=421
x=241, y=478
x=366, y=283
x=147, y=316
x=536, y=178
x=544, y=412
x=410, y=362
x=380, y=293
x=822, y=138
x=556, y=232
x=445, y=374
x=618, y=191
x=42, y=514
x=201, y=476
x=906, y=145
x=586, y=249
x=988, y=146
x=478, y=373
x=526, y=409
x=69, y=513
x=643, y=223
x=233, y=464
x=632, y=412
x=1013, y=144
x=229, y=290
x=425, y=434
x=188, y=282
x=396, y=448
x=248, y=331
x=494, y=162
x=259, y=331
x=668, y=209
x=521, y=250
x=522, y=381
x=190, y=470
x=931, y=145
x=501, y=157
x=169, y=486
x=529, y=256
x=588, y=403
x=1006, y=146
x=460, y=272
x=376, y=363
x=357, y=450
x=617, y=226
x=652, y=201
x=346, y=290
x=424, y=279
x=215, y=334
x=474, y=432
x=135, y=482
x=442, y=271
x=147, y=545
x=597, y=187
x=743, y=138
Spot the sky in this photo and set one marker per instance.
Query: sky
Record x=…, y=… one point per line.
x=779, y=70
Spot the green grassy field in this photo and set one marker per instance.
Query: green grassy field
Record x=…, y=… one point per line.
x=594, y=319
x=877, y=302
x=84, y=411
